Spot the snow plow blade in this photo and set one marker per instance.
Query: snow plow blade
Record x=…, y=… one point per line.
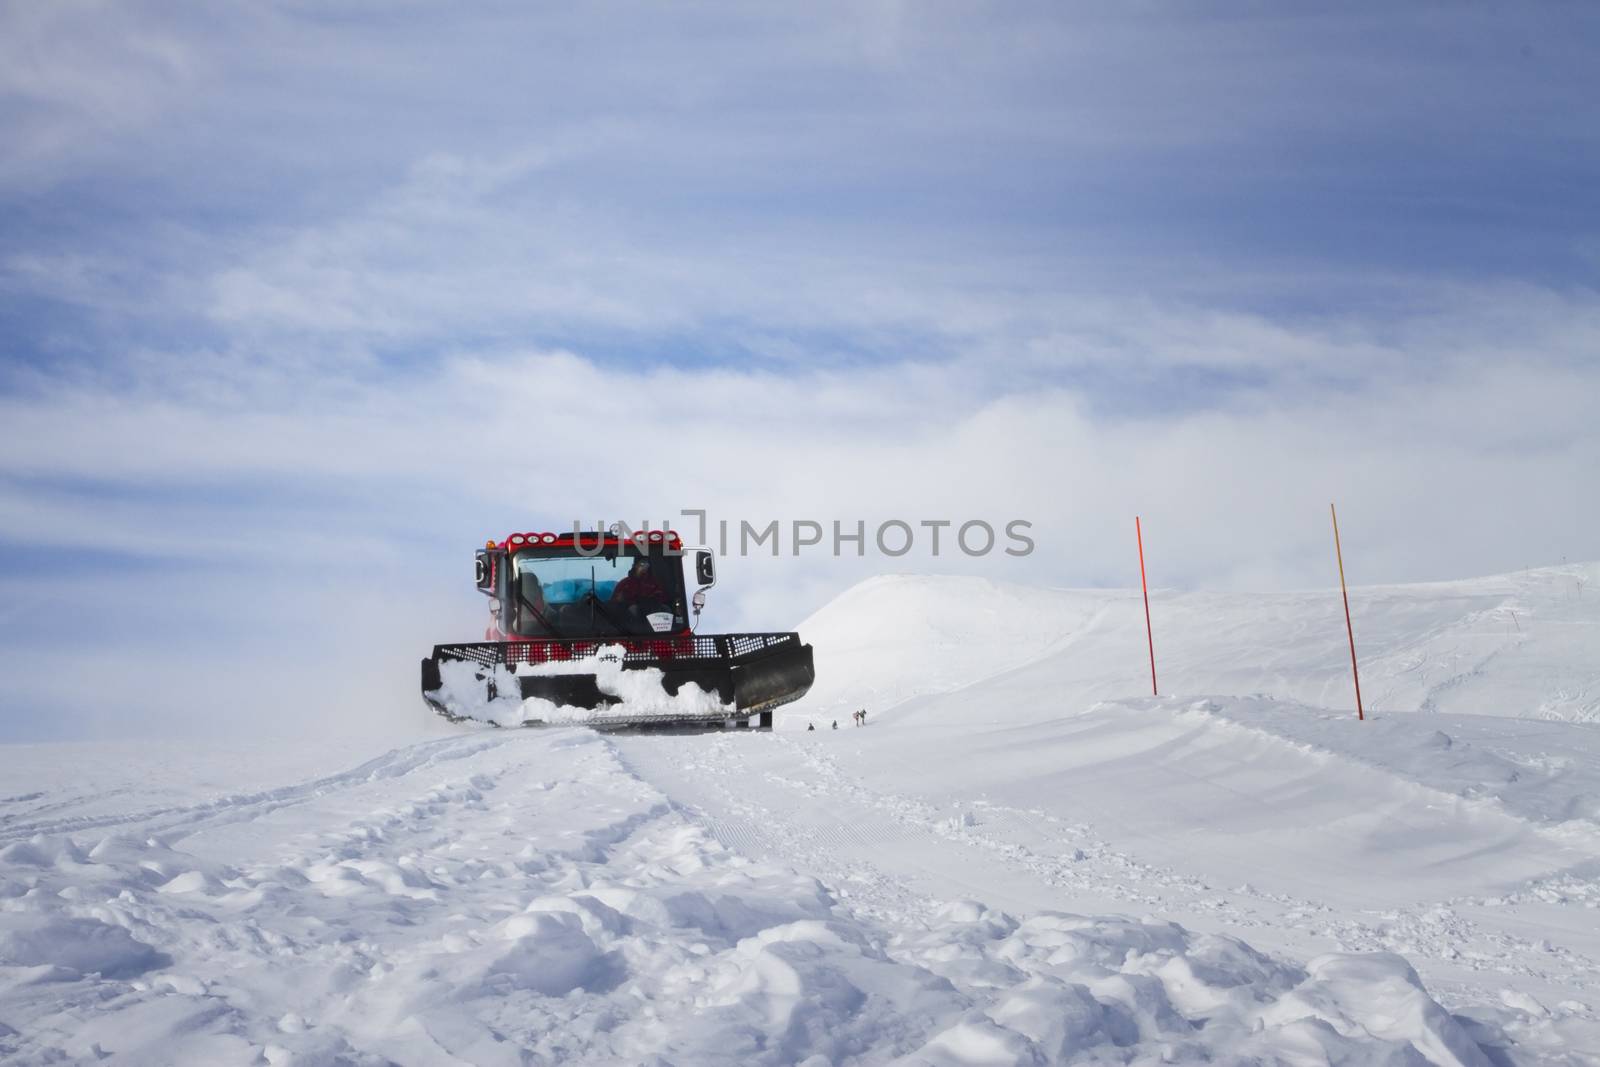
x=739, y=676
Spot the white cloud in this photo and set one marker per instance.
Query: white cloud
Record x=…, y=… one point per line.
x=552, y=436
x=336, y=514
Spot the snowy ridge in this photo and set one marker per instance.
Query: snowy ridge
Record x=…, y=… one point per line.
x=1504, y=767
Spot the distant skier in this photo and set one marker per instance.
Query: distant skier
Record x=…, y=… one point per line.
x=835, y=724
x=811, y=726
x=863, y=716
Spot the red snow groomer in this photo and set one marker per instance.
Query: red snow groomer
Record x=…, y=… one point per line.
x=595, y=628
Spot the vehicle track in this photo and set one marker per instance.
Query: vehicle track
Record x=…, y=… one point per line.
x=185, y=819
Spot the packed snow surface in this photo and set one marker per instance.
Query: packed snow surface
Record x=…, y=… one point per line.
x=1022, y=858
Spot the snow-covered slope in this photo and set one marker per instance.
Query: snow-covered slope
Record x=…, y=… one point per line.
x=515, y=897
x=1525, y=645
x=1023, y=858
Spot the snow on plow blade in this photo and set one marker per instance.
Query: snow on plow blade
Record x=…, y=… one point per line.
x=680, y=680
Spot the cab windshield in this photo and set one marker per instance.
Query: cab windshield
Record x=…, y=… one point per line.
x=587, y=596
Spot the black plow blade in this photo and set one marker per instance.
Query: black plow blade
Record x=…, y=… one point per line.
x=737, y=676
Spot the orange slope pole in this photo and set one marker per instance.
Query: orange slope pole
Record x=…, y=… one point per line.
x=1138, y=533
x=1348, y=629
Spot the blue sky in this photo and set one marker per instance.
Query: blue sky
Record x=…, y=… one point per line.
x=311, y=298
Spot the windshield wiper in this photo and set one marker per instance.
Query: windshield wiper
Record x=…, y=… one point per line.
x=594, y=599
x=548, y=625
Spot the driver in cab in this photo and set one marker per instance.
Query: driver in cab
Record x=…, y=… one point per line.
x=639, y=587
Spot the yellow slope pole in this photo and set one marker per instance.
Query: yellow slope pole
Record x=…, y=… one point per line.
x=1348, y=629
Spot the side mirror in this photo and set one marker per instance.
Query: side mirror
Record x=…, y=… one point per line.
x=482, y=572
x=705, y=568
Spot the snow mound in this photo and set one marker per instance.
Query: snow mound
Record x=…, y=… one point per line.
x=895, y=637
x=1059, y=988
x=637, y=691
x=73, y=946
